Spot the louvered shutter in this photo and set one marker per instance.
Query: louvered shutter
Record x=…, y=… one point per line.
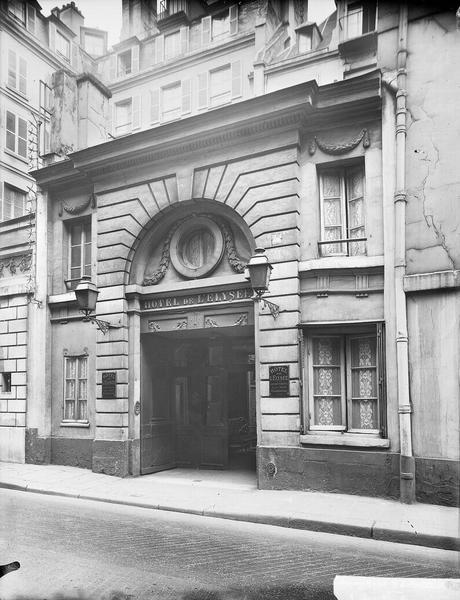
x=154, y=105
x=110, y=121
x=22, y=76
x=184, y=40
x=202, y=90
x=160, y=49
x=136, y=112
x=2, y=215
x=236, y=78
x=186, y=96
x=12, y=74
x=205, y=31
x=52, y=36
x=233, y=17
x=135, y=59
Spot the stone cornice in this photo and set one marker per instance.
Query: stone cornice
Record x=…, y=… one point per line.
x=290, y=108
x=437, y=280
x=180, y=63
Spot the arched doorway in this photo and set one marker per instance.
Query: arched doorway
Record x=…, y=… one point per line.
x=198, y=405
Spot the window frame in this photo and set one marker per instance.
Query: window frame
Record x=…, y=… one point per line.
x=177, y=46
x=126, y=70
x=20, y=5
x=17, y=73
x=15, y=133
x=128, y=126
x=60, y=36
x=343, y=172
x=175, y=113
x=346, y=431
x=76, y=400
x=14, y=189
x=223, y=97
x=72, y=282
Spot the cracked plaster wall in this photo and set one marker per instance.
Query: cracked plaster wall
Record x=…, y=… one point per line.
x=433, y=177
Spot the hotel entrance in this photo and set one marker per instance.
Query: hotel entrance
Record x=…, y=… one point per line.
x=198, y=405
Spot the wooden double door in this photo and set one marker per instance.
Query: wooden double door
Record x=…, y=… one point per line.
x=185, y=408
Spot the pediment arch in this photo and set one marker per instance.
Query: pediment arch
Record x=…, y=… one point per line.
x=189, y=241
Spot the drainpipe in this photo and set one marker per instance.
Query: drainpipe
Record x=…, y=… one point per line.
x=407, y=462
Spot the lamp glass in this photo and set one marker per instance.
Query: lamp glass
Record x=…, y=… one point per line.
x=86, y=294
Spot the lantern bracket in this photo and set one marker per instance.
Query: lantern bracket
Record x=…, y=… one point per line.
x=103, y=326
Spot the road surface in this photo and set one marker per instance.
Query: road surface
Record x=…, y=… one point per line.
x=76, y=549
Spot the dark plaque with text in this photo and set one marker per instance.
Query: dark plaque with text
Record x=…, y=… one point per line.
x=109, y=385
x=278, y=376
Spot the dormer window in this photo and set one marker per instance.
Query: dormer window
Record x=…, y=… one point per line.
x=62, y=45
x=17, y=8
x=360, y=19
x=124, y=63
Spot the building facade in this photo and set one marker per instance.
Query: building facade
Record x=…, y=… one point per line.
x=213, y=129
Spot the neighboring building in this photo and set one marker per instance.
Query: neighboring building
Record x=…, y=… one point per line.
x=36, y=52
x=233, y=126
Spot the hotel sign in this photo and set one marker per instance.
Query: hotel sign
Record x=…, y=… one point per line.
x=219, y=297
x=278, y=380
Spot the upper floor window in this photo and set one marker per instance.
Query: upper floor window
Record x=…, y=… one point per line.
x=79, y=251
x=342, y=211
x=13, y=203
x=17, y=8
x=16, y=134
x=62, y=45
x=17, y=72
x=172, y=45
x=220, y=86
x=76, y=388
x=215, y=27
x=124, y=63
x=171, y=102
x=346, y=372
x=359, y=18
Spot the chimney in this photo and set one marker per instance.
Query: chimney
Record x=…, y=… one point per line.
x=72, y=17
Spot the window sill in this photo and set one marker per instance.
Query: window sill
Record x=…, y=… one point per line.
x=14, y=155
x=341, y=262
x=345, y=439
x=17, y=92
x=78, y=424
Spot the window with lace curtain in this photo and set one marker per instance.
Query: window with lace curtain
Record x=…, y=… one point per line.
x=76, y=389
x=342, y=203
x=346, y=381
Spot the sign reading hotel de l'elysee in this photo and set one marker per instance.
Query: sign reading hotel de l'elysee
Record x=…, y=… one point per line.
x=218, y=297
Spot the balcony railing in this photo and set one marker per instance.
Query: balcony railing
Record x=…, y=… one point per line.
x=342, y=247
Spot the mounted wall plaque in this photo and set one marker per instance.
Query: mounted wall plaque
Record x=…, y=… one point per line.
x=278, y=378
x=109, y=384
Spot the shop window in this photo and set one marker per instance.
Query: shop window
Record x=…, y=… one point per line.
x=13, y=203
x=359, y=19
x=342, y=211
x=75, y=389
x=17, y=8
x=5, y=383
x=345, y=381
x=79, y=235
x=17, y=72
x=16, y=134
x=62, y=46
x=124, y=63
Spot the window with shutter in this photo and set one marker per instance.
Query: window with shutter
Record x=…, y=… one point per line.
x=172, y=45
x=17, y=72
x=159, y=49
x=124, y=63
x=62, y=46
x=16, y=134
x=342, y=211
x=79, y=252
x=123, y=117
x=233, y=15
x=220, y=86
x=205, y=31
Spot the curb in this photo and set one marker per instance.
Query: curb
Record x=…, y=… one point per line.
x=290, y=522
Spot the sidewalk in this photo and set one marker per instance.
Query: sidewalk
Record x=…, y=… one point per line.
x=233, y=495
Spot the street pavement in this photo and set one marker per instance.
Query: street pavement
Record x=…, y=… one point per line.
x=73, y=549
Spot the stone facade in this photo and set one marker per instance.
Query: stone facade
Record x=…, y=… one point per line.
x=313, y=143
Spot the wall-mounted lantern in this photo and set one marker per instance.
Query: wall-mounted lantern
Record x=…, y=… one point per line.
x=258, y=271
x=86, y=294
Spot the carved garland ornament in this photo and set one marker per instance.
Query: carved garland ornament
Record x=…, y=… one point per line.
x=78, y=208
x=337, y=149
x=235, y=261
x=21, y=263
